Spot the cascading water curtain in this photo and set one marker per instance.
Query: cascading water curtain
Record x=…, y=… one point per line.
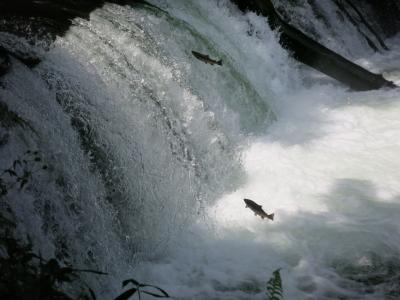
x=140, y=155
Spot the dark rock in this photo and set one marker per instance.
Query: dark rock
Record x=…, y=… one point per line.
x=315, y=55
x=385, y=13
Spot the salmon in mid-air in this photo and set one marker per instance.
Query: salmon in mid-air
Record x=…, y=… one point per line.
x=257, y=209
x=205, y=58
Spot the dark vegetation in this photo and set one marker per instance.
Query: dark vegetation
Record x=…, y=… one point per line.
x=274, y=286
x=27, y=275
x=9, y=119
x=20, y=172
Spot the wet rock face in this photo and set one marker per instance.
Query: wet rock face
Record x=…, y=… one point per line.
x=60, y=12
x=45, y=18
x=37, y=21
x=50, y=16
x=386, y=14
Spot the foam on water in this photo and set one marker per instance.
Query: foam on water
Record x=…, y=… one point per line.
x=327, y=167
x=152, y=153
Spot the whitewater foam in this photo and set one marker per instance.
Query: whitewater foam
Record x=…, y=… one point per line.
x=152, y=153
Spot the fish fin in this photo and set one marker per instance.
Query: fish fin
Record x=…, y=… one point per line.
x=262, y=217
x=219, y=62
x=271, y=216
x=247, y=206
x=255, y=214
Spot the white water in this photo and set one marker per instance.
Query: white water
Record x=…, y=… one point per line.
x=176, y=145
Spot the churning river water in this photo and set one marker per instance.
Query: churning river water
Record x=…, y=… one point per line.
x=151, y=152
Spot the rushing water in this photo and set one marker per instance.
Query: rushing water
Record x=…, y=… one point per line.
x=151, y=153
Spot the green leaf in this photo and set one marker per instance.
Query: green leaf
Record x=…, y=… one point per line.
x=127, y=294
x=125, y=282
x=164, y=293
x=274, y=286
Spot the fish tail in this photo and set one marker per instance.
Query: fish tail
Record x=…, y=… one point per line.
x=271, y=216
x=219, y=62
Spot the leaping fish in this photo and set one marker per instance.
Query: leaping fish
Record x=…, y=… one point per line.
x=206, y=59
x=257, y=209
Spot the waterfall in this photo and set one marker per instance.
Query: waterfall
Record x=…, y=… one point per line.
x=150, y=153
